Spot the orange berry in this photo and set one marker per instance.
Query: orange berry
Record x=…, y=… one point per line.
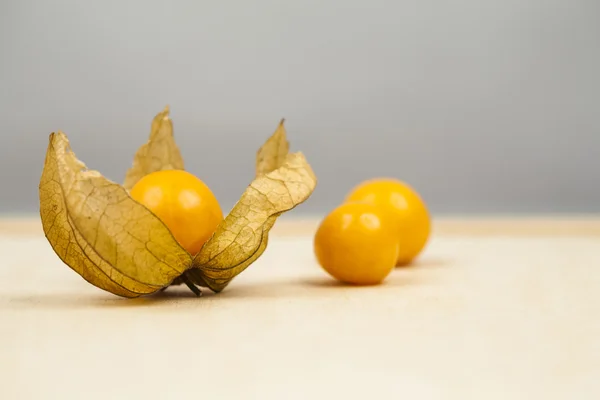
x=356, y=243
x=409, y=211
x=184, y=203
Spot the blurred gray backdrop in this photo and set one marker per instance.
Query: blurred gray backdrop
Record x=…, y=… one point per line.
x=483, y=106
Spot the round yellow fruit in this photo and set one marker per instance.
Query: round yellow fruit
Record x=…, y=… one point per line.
x=412, y=219
x=356, y=243
x=184, y=203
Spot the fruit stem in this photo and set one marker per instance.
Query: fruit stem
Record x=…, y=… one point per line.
x=191, y=285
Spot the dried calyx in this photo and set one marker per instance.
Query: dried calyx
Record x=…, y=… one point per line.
x=118, y=245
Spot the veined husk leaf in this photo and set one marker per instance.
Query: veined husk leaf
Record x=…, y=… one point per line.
x=159, y=153
x=243, y=235
x=108, y=238
x=272, y=154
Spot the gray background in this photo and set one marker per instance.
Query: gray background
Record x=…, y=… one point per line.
x=483, y=106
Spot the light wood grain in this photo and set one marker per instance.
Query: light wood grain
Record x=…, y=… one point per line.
x=479, y=316
x=523, y=226
x=552, y=225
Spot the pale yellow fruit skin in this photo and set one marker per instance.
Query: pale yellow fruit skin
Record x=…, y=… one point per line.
x=413, y=220
x=355, y=244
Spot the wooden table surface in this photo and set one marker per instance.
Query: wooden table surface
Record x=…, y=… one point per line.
x=494, y=309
